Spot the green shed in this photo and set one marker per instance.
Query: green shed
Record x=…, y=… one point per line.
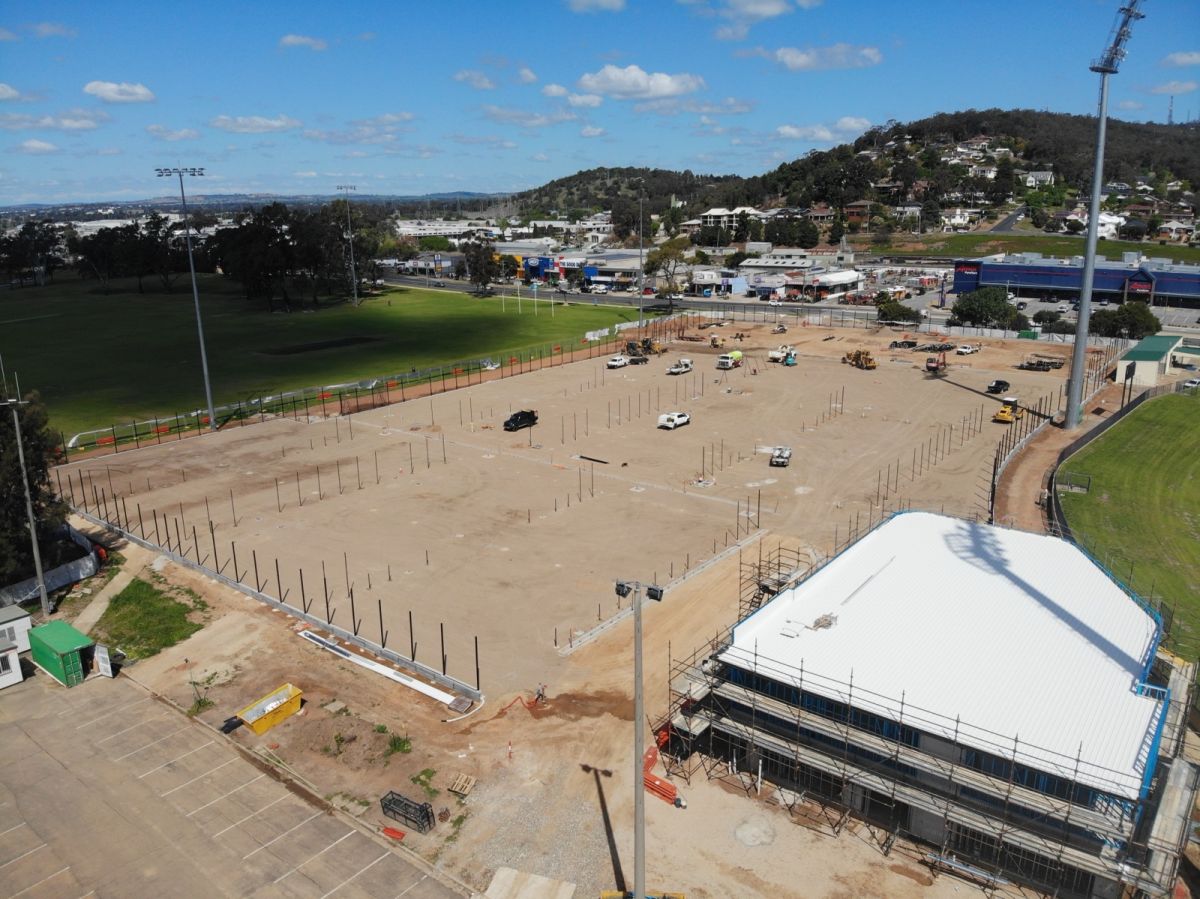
x=61, y=651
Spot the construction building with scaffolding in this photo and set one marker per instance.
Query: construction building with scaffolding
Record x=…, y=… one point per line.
x=993, y=695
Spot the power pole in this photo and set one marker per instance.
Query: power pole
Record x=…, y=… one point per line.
x=33, y=540
x=350, y=240
x=1106, y=65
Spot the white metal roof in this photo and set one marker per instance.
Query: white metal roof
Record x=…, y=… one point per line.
x=997, y=634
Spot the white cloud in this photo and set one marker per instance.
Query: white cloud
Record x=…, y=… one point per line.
x=742, y=15
x=526, y=75
x=1129, y=104
x=382, y=129
x=1175, y=87
x=6, y=35
x=110, y=151
x=588, y=100
x=8, y=92
x=1183, y=58
x=540, y=157
x=844, y=128
x=52, y=29
x=304, y=174
x=119, y=92
x=71, y=120
x=812, y=59
x=33, y=147
x=303, y=40
x=596, y=5
x=254, y=124
x=476, y=79
x=634, y=83
x=162, y=132
x=591, y=131
x=675, y=105
x=511, y=116
x=490, y=140
x=555, y=90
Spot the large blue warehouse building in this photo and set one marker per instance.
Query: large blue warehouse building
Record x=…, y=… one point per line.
x=1155, y=281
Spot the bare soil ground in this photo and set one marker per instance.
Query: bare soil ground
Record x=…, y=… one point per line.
x=554, y=792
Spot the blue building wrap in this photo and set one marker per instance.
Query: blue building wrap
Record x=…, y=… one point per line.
x=1147, y=281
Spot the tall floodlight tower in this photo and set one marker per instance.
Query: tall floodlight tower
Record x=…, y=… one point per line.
x=1106, y=65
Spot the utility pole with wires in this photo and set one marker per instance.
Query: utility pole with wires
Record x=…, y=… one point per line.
x=1106, y=65
x=346, y=188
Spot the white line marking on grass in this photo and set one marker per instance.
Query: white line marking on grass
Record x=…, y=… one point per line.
x=113, y=712
x=348, y=833
x=280, y=837
x=154, y=743
x=40, y=882
x=196, y=778
x=251, y=815
x=230, y=793
x=22, y=855
x=355, y=874
x=174, y=760
x=132, y=727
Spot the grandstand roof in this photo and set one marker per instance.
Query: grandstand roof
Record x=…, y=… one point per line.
x=977, y=632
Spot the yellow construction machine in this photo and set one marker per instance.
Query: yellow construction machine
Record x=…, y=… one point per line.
x=1010, y=410
x=860, y=359
x=716, y=340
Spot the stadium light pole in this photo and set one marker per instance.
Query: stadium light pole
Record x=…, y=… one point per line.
x=641, y=253
x=346, y=188
x=1106, y=65
x=624, y=588
x=187, y=233
x=33, y=541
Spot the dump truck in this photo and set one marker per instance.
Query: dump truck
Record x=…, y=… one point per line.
x=780, y=353
x=1010, y=410
x=730, y=360
x=860, y=359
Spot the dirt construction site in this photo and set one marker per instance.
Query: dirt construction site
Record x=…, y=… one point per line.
x=490, y=556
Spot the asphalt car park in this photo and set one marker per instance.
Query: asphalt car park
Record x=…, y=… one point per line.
x=168, y=807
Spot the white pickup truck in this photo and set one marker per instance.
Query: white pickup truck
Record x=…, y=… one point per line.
x=968, y=348
x=780, y=353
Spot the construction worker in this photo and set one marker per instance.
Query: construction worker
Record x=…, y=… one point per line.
x=540, y=696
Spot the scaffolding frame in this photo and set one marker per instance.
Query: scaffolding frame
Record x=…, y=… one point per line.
x=1120, y=839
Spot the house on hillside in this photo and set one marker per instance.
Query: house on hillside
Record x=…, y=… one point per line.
x=1038, y=180
x=821, y=214
x=859, y=212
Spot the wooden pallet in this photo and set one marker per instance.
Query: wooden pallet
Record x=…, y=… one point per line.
x=462, y=785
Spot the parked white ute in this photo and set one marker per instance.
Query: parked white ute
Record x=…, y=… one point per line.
x=968, y=348
x=618, y=361
x=673, y=420
x=781, y=457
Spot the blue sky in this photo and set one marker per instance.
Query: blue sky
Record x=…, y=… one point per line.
x=413, y=98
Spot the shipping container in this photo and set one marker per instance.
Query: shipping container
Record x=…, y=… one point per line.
x=61, y=651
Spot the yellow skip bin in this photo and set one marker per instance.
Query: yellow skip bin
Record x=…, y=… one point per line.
x=277, y=705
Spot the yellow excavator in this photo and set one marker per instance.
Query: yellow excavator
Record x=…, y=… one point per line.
x=1010, y=410
x=860, y=359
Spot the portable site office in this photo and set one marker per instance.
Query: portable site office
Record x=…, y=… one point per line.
x=61, y=651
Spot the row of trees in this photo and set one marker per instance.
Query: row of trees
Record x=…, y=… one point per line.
x=989, y=307
x=16, y=555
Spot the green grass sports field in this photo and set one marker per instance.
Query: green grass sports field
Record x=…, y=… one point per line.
x=98, y=359
x=1144, y=506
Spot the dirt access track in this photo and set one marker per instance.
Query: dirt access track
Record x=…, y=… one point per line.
x=516, y=539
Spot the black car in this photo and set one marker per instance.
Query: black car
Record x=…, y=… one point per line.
x=998, y=387
x=638, y=360
x=526, y=418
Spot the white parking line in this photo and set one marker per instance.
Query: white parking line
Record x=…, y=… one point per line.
x=132, y=727
x=40, y=882
x=281, y=836
x=155, y=743
x=251, y=815
x=230, y=793
x=412, y=887
x=11, y=829
x=355, y=874
x=22, y=855
x=348, y=833
x=174, y=760
x=113, y=712
x=196, y=778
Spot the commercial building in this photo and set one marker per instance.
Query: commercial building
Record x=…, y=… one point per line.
x=1155, y=281
x=993, y=694
x=1151, y=360
x=14, y=627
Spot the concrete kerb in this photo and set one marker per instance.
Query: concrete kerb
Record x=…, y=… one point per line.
x=445, y=680
x=608, y=624
x=307, y=792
